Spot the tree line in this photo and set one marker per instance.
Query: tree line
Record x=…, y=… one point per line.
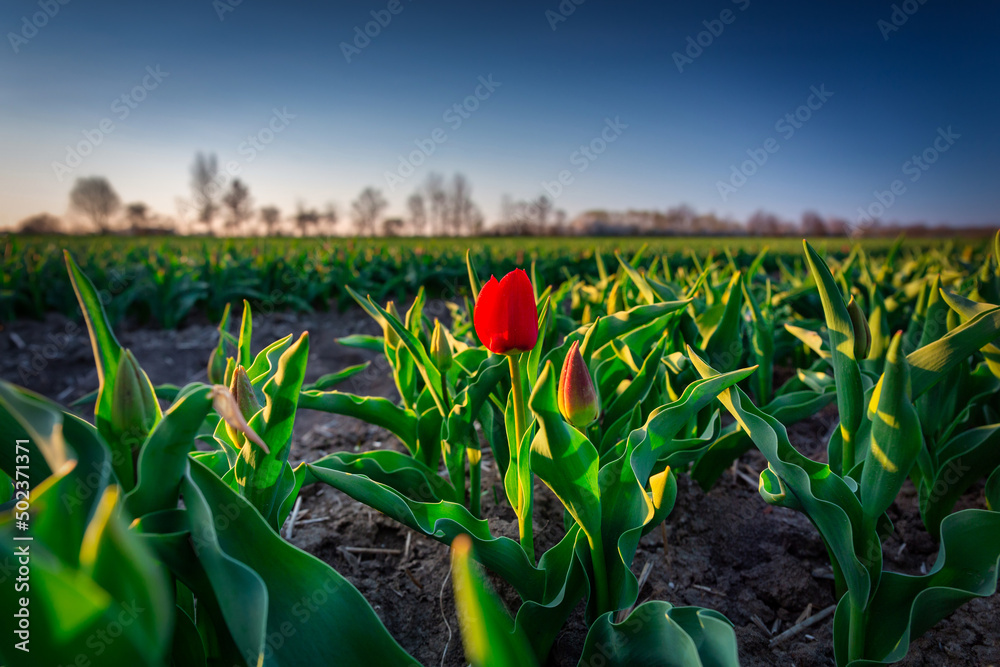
x=440, y=206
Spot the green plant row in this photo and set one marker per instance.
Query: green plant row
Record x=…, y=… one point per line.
x=161, y=526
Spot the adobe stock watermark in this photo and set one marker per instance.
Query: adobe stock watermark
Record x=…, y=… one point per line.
x=101, y=639
x=913, y=169
x=562, y=12
x=46, y=351
x=121, y=108
x=786, y=126
x=953, y=473
x=454, y=116
x=585, y=155
x=254, y=144
x=898, y=17
x=30, y=25
x=223, y=7
x=695, y=45
x=363, y=36
x=260, y=140
x=249, y=149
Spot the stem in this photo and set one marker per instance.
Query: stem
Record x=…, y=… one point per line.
x=474, y=456
x=475, y=490
x=856, y=638
x=839, y=583
x=847, y=455
x=524, y=486
x=459, y=482
x=445, y=398
x=524, y=530
x=518, y=390
x=600, y=573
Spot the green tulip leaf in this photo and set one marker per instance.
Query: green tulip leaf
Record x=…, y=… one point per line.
x=564, y=458
x=895, y=439
x=488, y=632
x=372, y=409
x=904, y=606
x=274, y=581
x=324, y=382
x=828, y=500
x=163, y=457
x=963, y=461
x=658, y=634
x=258, y=472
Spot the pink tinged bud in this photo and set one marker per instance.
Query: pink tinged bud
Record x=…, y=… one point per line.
x=246, y=403
x=242, y=390
x=440, y=348
x=225, y=404
x=578, y=400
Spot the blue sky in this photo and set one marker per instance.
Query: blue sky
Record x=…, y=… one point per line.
x=684, y=122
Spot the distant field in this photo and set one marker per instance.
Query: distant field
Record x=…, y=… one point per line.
x=162, y=280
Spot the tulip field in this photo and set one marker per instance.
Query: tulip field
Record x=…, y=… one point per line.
x=592, y=453
x=160, y=282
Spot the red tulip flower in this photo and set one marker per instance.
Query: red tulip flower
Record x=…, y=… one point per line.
x=505, y=315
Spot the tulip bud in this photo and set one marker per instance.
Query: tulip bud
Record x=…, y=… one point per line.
x=578, y=400
x=242, y=390
x=134, y=410
x=391, y=337
x=225, y=404
x=440, y=348
x=862, y=333
x=246, y=400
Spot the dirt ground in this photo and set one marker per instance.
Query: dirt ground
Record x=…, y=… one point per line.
x=726, y=549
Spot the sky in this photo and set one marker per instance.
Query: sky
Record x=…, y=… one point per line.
x=729, y=106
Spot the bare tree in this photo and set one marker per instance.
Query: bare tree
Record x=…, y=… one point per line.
x=95, y=198
x=461, y=212
x=418, y=213
x=137, y=216
x=329, y=219
x=813, y=224
x=476, y=222
x=560, y=221
x=206, y=186
x=434, y=187
x=40, y=223
x=542, y=207
x=838, y=227
x=271, y=217
x=366, y=210
x=392, y=226
x=762, y=223
x=458, y=198
x=237, y=199
x=508, y=209
x=677, y=220
x=306, y=219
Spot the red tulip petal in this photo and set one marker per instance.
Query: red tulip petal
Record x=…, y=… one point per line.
x=505, y=315
x=521, y=330
x=485, y=315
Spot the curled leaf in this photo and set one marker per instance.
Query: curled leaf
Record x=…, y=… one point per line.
x=225, y=405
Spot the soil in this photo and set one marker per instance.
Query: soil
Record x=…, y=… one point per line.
x=726, y=549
